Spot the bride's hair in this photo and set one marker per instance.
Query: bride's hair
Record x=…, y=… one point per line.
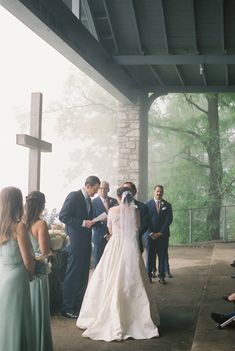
x=125, y=194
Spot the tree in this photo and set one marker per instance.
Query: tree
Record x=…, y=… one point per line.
x=199, y=126
x=87, y=116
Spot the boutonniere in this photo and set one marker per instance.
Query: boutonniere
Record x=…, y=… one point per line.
x=162, y=205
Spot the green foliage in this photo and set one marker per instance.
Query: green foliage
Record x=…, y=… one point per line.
x=180, y=138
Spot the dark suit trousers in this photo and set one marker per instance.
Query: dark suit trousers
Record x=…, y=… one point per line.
x=151, y=247
x=157, y=247
x=76, y=275
x=162, y=252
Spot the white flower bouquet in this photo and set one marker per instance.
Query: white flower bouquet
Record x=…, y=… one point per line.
x=58, y=238
x=42, y=265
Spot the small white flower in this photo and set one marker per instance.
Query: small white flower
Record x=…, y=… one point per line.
x=164, y=208
x=58, y=238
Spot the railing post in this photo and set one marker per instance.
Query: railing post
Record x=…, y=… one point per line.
x=190, y=226
x=225, y=223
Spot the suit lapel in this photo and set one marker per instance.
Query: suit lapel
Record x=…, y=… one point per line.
x=82, y=202
x=101, y=205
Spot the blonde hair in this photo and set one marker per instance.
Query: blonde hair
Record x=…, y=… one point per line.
x=11, y=212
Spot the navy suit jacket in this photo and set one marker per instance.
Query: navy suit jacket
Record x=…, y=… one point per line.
x=73, y=213
x=144, y=221
x=160, y=222
x=100, y=228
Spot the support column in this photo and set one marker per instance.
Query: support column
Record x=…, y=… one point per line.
x=133, y=145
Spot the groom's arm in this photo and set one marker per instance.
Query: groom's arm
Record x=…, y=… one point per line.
x=67, y=212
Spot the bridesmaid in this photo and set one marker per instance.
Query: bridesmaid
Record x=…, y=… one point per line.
x=16, y=266
x=38, y=232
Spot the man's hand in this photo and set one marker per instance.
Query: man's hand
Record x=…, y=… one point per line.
x=89, y=223
x=155, y=236
x=107, y=236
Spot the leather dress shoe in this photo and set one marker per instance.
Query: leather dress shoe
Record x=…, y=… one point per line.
x=162, y=281
x=69, y=315
x=218, y=318
x=233, y=264
x=169, y=275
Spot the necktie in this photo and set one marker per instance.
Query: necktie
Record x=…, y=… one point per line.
x=158, y=206
x=106, y=205
x=90, y=211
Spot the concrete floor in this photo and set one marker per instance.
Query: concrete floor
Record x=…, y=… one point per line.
x=185, y=304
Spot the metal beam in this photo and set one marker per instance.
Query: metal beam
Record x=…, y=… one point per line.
x=132, y=12
x=156, y=75
x=164, y=26
x=222, y=25
x=175, y=59
x=194, y=27
x=57, y=25
x=111, y=27
x=226, y=75
x=89, y=18
x=191, y=89
x=179, y=75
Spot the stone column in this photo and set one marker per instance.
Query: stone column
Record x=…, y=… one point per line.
x=133, y=145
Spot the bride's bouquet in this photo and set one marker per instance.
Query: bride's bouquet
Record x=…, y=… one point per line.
x=58, y=238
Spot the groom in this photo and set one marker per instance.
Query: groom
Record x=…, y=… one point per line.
x=77, y=214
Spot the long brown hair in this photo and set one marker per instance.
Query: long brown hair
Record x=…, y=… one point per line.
x=34, y=206
x=11, y=212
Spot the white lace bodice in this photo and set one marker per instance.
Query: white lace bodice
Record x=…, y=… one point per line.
x=114, y=223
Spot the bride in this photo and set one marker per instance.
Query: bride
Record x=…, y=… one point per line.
x=119, y=303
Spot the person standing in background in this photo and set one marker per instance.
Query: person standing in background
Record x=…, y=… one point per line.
x=158, y=233
x=100, y=234
x=77, y=214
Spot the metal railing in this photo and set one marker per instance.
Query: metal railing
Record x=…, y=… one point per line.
x=190, y=226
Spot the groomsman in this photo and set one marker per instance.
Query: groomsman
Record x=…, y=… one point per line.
x=100, y=233
x=144, y=214
x=158, y=233
x=77, y=214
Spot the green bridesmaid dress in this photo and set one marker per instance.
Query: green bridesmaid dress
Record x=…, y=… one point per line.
x=39, y=289
x=15, y=310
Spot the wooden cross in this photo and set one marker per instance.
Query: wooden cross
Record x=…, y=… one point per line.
x=34, y=142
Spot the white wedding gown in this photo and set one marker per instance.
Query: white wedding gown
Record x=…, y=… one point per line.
x=119, y=302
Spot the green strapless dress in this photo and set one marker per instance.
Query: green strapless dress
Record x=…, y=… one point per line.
x=39, y=289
